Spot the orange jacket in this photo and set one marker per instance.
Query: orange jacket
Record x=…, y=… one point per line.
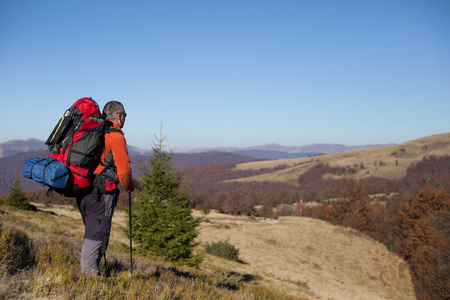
x=116, y=143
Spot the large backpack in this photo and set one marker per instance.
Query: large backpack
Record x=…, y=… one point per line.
x=77, y=141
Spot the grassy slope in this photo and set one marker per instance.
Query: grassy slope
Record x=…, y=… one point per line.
x=305, y=258
x=414, y=151
x=50, y=243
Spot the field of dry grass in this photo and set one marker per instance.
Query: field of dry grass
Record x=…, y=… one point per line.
x=395, y=160
x=310, y=258
x=39, y=259
x=307, y=258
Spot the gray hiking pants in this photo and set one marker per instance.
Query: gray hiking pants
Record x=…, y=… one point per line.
x=96, y=215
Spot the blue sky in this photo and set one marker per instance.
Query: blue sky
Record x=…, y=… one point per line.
x=231, y=73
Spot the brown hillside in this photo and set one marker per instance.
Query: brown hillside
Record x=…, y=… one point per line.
x=308, y=258
x=384, y=161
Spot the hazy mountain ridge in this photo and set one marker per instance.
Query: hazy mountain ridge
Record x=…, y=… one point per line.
x=14, y=147
x=268, y=154
x=137, y=151
x=313, y=148
x=267, y=151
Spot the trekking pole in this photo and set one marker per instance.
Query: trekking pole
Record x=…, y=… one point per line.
x=131, y=245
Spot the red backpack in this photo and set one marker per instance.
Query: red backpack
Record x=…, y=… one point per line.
x=77, y=141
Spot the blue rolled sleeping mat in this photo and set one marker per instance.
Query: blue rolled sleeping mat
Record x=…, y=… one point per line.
x=47, y=171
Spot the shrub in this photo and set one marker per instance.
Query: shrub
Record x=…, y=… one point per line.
x=303, y=284
x=16, y=249
x=333, y=221
x=223, y=249
x=392, y=246
x=16, y=197
x=206, y=210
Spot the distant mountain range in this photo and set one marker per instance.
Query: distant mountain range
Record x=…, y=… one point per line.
x=268, y=151
x=14, y=147
x=275, y=151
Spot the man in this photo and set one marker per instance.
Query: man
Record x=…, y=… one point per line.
x=97, y=208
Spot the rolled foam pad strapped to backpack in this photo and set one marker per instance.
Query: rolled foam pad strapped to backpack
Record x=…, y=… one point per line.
x=47, y=171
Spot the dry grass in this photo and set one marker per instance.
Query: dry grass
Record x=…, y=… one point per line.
x=394, y=166
x=72, y=216
x=307, y=258
x=53, y=272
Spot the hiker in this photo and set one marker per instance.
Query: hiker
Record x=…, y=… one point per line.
x=97, y=207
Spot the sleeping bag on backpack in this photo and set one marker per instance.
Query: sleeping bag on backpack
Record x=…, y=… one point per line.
x=47, y=171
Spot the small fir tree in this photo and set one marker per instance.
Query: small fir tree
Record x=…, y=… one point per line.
x=16, y=197
x=162, y=223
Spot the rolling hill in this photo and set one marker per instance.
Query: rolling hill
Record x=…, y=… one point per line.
x=389, y=161
x=305, y=258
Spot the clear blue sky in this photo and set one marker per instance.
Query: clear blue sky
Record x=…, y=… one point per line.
x=231, y=73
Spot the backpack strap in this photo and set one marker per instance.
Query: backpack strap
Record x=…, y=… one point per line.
x=99, y=180
x=113, y=129
x=109, y=157
x=69, y=145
